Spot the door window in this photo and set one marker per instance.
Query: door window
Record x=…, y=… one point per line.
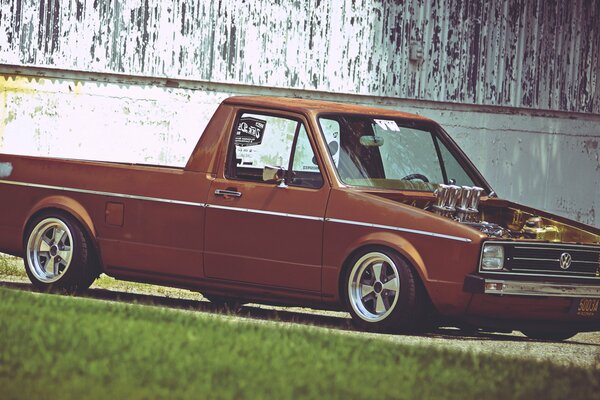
x=266, y=140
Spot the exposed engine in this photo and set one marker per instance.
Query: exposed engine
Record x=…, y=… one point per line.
x=461, y=204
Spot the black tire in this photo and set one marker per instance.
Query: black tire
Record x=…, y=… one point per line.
x=57, y=253
x=549, y=335
x=390, y=302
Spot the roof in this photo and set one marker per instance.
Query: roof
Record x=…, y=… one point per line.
x=316, y=106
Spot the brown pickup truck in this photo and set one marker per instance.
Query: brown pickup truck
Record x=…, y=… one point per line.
x=300, y=202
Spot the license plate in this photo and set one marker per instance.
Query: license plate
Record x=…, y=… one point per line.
x=586, y=307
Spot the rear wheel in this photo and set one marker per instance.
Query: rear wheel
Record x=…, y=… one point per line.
x=58, y=254
x=557, y=335
x=381, y=291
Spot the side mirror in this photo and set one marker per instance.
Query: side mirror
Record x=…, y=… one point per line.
x=273, y=174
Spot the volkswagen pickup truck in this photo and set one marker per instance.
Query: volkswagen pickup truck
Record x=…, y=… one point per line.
x=310, y=203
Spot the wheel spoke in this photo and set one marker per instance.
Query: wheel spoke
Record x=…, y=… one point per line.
x=44, y=247
x=58, y=236
x=365, y=290
x=380, y=306
x=65, y=255
x=392, y=284
x=377, y=271
x=49, y=266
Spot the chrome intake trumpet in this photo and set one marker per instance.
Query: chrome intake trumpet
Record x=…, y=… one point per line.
x=469, y=202
x=446, y=198
x=460, y=202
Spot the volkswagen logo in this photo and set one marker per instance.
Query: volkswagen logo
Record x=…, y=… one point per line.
x=565, y=261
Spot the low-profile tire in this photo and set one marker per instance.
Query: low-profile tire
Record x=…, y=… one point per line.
x=550, y=335
x=58, y=255
x=382, y=291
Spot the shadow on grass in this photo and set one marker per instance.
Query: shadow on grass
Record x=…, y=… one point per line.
x=326, y=321
x=205, y=306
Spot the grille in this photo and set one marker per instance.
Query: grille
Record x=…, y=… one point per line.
x=544, y=259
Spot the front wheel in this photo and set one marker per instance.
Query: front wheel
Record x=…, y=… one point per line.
x=382, y=292
x=58, y=254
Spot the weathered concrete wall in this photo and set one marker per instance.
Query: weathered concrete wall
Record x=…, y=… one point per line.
x=521, y=53
x=549, y=160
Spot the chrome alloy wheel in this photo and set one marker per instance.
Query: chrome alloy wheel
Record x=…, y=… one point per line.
x=49, y=250
x=374, y=286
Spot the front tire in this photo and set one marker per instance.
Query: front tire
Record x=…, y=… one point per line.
x=555, y=336
x=58, y=254
x=381, y=292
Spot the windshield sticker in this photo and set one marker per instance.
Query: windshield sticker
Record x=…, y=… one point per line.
x=387, y=125
x=249, y=132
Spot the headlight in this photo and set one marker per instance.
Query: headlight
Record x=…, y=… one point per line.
x=493, y=257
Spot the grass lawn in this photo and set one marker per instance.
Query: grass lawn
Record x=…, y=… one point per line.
x=54, y=346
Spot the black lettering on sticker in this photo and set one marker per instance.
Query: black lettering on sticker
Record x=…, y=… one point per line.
x=249, y=132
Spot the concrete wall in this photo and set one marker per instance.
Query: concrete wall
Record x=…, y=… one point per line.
x=549, y=160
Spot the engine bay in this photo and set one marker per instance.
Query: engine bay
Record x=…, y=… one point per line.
x=464, y=204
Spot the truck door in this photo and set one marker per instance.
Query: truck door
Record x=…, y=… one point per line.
x=267, y=233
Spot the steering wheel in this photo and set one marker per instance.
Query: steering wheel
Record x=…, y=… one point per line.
x=415, y=176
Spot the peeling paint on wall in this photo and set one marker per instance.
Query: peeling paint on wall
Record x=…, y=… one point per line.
x=520, y=53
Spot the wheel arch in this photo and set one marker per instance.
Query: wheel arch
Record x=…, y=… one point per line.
x=389, y=241
x=68, y=206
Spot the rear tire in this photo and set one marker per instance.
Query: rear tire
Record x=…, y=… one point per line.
x=555, y=336
x=58, y=254
x=381, y=291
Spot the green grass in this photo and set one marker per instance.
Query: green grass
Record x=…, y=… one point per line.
x=64, y=347
x=11, y=266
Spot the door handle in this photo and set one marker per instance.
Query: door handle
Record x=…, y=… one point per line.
x=227, y=192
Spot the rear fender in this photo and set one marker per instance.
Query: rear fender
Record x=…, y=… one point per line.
x=70, y=206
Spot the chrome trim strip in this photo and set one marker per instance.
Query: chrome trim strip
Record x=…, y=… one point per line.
x=254, y=211
x=395, y=228
x=523, y=288
x=564, y=272
x=100, y=193
x=539, y=275
x=553, y=260
x=249, y=210
x=549, y=246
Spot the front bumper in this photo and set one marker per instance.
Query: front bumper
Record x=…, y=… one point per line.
x=505, y=287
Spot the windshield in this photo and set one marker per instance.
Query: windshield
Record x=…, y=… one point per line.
x=390, y=153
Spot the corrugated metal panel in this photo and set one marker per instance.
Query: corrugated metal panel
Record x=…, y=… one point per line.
x=521, y=53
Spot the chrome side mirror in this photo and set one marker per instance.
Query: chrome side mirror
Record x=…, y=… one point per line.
x=273, y=175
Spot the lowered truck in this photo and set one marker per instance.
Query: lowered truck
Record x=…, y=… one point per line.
x=311, y=203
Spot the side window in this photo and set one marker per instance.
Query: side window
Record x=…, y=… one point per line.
x=262, y=140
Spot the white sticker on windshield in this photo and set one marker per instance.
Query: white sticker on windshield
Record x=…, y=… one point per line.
x=388, y=125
